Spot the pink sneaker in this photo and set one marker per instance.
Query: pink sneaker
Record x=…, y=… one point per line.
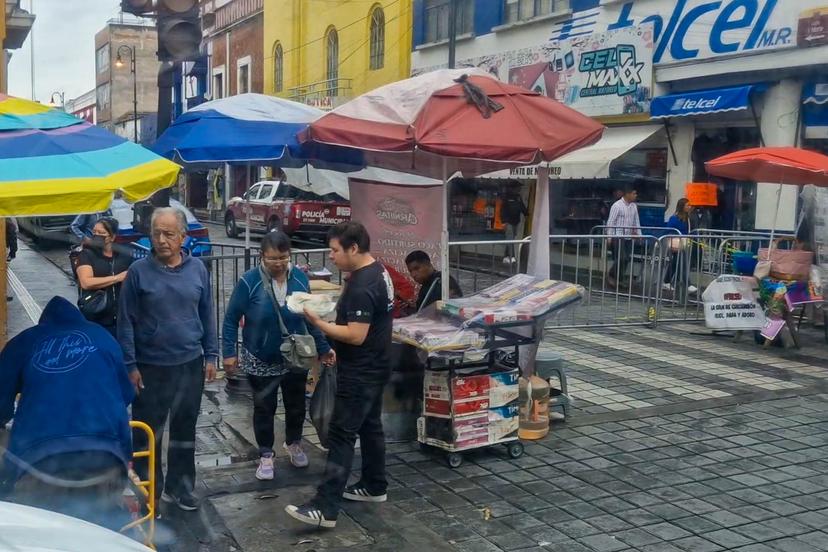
x=265, y=470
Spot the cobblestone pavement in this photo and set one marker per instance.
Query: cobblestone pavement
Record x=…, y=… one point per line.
x=680, y=440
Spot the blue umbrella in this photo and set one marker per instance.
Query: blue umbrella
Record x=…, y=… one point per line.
x=248, y=129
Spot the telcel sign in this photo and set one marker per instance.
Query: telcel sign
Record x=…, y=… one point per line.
x=697, y=29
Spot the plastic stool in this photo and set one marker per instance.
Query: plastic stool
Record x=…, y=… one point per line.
x=547, y=365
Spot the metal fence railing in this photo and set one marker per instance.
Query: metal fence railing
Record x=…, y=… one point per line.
x=636, y=280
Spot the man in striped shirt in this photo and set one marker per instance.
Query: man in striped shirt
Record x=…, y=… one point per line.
x=622, y=222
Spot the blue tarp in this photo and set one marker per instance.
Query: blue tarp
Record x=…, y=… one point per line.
x=703, y=102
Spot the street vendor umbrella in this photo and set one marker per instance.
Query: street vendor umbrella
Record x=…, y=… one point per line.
x=454, y=120
x=52, y=163
x=457, y=120
x=248, y=129
x=782, y=165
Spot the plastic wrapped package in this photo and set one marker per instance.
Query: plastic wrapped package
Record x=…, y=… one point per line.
x=521, y=297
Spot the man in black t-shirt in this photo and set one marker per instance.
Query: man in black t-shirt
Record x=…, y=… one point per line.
x=423, y=272
x=362, y=341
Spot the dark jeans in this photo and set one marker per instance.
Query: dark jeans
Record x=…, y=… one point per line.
x=265, y=401
x=357, y=411
x=677, y=268
x=174, y=392
x=622, y=250
x=87, y=485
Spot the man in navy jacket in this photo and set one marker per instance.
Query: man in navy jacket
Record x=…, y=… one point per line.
x=70, y=441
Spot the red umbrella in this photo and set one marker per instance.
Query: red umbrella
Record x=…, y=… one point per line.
x=454, y=120
x=782, y=165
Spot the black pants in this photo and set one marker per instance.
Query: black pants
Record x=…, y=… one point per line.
x=265, y=401
x=678, y=269
x=357, y=411
x=622, y=250
x=173, y=391
x=87, y=485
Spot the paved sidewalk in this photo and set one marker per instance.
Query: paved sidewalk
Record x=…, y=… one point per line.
x=680, y=440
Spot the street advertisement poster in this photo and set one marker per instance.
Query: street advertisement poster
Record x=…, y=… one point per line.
x=608, y=73
x=694, y=30
x=400, y=219
x=731, y=303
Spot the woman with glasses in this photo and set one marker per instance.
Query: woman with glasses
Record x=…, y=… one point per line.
x=101, y=267
x=257, y=296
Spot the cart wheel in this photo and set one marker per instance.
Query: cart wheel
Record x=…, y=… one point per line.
x=515, y=450
x=454, y=459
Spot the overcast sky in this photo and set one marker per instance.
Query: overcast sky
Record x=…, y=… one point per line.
x=64, y=38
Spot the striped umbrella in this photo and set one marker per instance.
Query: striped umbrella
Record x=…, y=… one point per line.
x=52, y=163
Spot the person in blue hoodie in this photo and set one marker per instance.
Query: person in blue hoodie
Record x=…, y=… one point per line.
x=70, y=441
x=260, y=356
x=678, y=267
x=167, y=330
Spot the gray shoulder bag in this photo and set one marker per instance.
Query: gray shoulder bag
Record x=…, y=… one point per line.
x=298, y=350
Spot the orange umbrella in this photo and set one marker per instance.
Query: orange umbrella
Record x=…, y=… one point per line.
x=782, y=165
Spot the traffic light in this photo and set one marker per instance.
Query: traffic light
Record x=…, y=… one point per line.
x=179, y=30
x=137, y=7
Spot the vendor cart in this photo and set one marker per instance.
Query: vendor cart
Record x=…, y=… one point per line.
x=473, y=349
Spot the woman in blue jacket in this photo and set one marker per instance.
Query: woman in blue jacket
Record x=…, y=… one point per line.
x=678, y=267
x=260, y=356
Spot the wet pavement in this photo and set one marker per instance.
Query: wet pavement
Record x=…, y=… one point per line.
x=679, y=440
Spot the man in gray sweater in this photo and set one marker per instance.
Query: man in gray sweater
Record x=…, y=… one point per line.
x=167, y=330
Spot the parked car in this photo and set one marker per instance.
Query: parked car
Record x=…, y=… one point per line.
x=279, y=205
x=43, y=229
x=57, y=228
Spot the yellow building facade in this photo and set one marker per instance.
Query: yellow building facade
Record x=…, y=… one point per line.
x=324, y=52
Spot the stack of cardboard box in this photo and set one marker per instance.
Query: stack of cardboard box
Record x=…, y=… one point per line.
x=473, y=407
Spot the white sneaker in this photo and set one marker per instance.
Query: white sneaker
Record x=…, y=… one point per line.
x=297, y=455
x=667, y=286
x=513, y=260
x=265, y=471
x=692, y=289
x=506, y=260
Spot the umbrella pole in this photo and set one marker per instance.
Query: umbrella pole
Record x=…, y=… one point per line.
x=444, y=236
x=775, y=219
x=247, y=212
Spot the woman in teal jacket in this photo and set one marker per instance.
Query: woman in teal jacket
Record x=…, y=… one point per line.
x=260, y=356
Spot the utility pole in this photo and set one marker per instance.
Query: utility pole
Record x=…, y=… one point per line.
x=452, y=38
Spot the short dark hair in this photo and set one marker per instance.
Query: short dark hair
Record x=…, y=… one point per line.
x=276, y=241
x=110, y=224
x=418, y=257
x=349, y=234
x=630, y=188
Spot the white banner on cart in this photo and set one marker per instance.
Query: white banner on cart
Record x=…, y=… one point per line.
x=730, y=303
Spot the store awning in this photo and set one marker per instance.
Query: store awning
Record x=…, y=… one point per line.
x=589, y=162
x=704, y=102
x=815, y=110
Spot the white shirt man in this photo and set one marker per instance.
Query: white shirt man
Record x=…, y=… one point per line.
x=623, y=216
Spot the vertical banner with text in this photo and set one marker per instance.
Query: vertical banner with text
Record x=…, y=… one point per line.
x=400, y=219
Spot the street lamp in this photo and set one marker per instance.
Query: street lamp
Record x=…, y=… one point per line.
x=61, y=96
x=119, y=62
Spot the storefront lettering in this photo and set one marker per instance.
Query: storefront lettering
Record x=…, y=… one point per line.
x=611, y=71
x=685, y=104
x=678, y=34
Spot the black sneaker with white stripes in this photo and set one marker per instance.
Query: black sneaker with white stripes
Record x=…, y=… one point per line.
x=311, y=515
x=359, y=493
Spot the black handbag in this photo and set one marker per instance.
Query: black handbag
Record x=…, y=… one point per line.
x=94, y=303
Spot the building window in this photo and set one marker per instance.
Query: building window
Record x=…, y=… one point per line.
x=217, y=91
x=522, y=10
x=102, y=58
x=332, y=61
x=437, y=18
x=377, y=38
x=278, y=68
x=243, y=75
x=102, y=97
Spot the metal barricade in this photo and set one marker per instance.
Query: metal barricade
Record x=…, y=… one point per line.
x=146, y=488
x=582, y=259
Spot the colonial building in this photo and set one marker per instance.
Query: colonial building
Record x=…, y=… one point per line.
x=325, y=53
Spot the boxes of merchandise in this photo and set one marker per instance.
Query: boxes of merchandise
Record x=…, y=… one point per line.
x=480, y=428
x=468, y=391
